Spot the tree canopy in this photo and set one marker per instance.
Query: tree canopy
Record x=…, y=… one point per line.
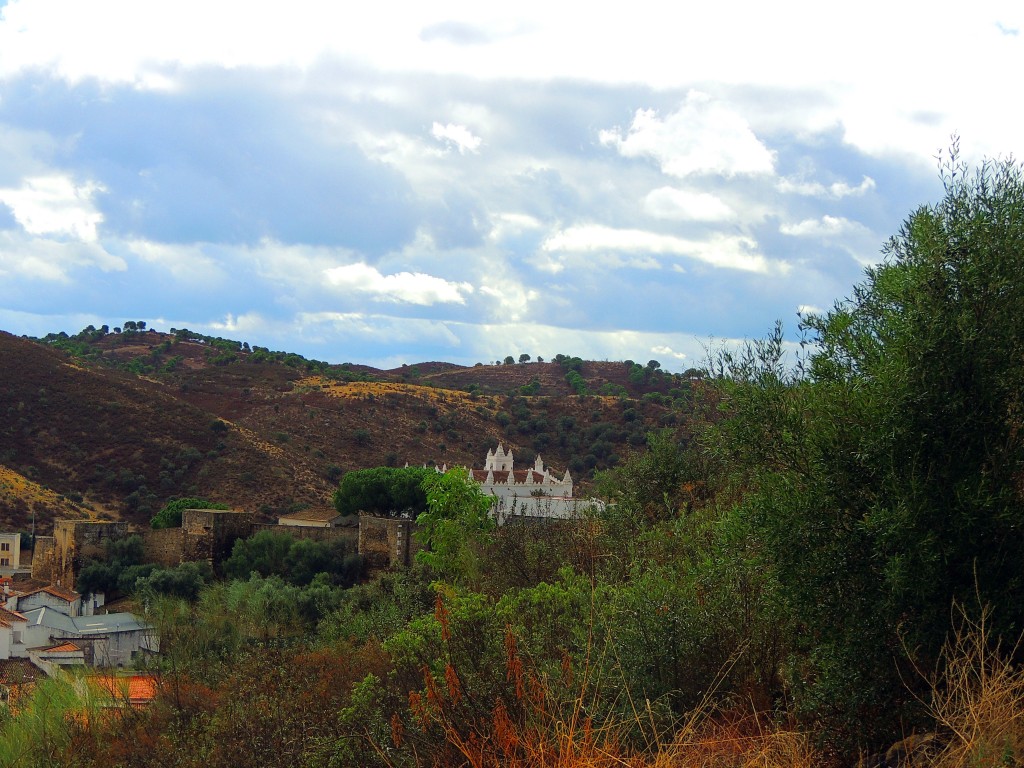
x=383, y=491
x=170, y=515
x=886, y=473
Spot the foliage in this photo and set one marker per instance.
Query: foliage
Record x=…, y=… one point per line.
x=185, y=581
x=454, y=525
x=382, y=490
x=170, y=515
x=104, y=576
x=297, y=561
x=885, y=477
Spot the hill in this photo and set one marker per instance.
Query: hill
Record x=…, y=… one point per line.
x=117, y=423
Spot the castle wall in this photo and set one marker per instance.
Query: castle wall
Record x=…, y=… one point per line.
x=43, y=558
x=162, y=546
x=76, y=542
x=210, y=534
x=386, y=542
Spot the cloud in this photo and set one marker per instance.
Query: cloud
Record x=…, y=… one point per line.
x=189, y=264
x=837, y=190
x=457, y=136
x=55, y=205
x=702, y=137
x=661, y=349
x=719, y=250
x=37, y=258
x=456, y=33
x=826, y=226
x=683, y=205
x=403, y=287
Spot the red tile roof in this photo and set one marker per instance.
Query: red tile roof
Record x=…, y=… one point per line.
x=6, y=617
x=62, y=648
x=58, y=592
x=318, y=515
x=137, y=689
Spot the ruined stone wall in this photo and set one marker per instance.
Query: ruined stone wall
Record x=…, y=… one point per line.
x=386, y=542
x=43, y=558
x=163, y=546
x=77, y=541
x=210, y=534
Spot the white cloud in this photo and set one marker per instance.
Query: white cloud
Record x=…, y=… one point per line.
x=510, y=224
x=383, y=329
x=403, y=287
x=39, y=258
x=457, y=136
x=683, y=205
x=55, y=205
x=837, y=190
x=703, y=137
x=661, y=349
x=826, y=226
x=189, y=264
x=719, y=250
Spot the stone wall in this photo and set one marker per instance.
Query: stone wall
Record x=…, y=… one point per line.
x=43, y=558
x=77, y=541
x=162, y=546
x=210, y=534
x=386, y=542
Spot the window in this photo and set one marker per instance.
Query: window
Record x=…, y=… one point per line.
x=5, y=562
x=17, y=636
x=5, y=546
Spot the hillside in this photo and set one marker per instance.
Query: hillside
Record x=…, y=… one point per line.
x=115, y=424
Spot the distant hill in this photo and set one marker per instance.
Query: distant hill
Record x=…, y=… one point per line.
x=114, y=424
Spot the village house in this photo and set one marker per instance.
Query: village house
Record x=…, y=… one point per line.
x=10, y=554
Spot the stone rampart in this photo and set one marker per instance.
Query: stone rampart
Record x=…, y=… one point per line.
x=162, y=546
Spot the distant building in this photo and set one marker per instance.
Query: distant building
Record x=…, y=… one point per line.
x=10, y=553
x=313, y=518
x=530, y=493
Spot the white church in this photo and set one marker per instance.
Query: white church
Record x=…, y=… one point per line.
x=532, y=493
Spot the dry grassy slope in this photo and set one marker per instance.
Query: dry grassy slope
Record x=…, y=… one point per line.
x=268, y=437
x=20, y=498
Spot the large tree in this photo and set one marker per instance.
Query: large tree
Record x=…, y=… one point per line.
x=383, y=490
x=885, y=479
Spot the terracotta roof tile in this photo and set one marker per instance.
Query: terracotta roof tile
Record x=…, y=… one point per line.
x=58, y=592
x=6, y=617
x=62, y=648
x=139, y=689
x=319, y=515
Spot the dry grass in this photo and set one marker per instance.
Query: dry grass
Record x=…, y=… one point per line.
x=364, y=390
x=977, y=701
x=16, y=489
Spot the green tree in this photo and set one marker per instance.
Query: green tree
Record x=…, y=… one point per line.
x=382, y=490
x=454, y=526
x=264, y=553
x=170, y=515
x=886, y=476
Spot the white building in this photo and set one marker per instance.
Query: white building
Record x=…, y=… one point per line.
x=10, y=553
x=534, y=493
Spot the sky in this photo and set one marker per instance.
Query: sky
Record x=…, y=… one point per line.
x=462, y=181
